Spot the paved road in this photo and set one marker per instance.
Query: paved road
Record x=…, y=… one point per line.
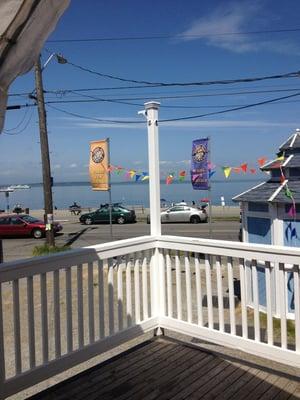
x=81, y=235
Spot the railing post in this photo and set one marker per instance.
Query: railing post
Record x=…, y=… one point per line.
x=158, y=290
x=153, y=159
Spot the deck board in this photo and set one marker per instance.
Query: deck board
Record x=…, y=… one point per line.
x=166, y=369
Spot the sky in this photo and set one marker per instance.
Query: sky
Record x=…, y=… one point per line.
x=206, y=41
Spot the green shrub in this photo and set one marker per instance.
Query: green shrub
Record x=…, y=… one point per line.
x=45, y=249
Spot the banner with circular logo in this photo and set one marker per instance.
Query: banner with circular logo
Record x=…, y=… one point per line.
x=199, y=164
x=99, y=162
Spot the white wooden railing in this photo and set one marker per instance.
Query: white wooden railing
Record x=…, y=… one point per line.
x=59, y=311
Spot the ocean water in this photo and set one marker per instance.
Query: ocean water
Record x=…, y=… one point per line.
x=129, y=193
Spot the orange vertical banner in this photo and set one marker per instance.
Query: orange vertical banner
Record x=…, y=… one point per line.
x=98, y=167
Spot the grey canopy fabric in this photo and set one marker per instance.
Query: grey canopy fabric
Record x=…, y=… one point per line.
x=24, y=27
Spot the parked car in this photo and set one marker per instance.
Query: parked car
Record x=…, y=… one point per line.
x=24, y=225
x=120, y=215
x=182, y=213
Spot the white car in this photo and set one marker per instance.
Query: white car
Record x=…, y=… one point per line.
x=182, y=213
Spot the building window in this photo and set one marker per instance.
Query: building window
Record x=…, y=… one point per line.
x=294, y=172
x=275, y=173
x=258, y=207
x=288, y=208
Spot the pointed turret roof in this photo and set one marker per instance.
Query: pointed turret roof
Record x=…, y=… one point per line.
x=273, y=190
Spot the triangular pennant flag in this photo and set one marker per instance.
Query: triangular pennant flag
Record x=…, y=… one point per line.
x=261, y=161
x=287, y=229
x=280, y=158
x=244, y=167
x=211, y=165
x=282, y=178
x=132, y=173
x=137, y=177
x=288, y=193
x=252, y=170
x=169, y=180
x=211, y=173
x=182, y=175
x=145, y=178
x=292, y=211
x=294, y=233
x=227, y=171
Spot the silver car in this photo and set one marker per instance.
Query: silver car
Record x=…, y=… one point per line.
x=182, y=213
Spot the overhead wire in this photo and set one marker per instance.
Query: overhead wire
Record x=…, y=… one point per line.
x=23, y=129
x=172, y=36
x=180, y=118
x=293, y=74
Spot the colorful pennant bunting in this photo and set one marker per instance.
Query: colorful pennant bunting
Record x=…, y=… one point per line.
x=227, y=171
x=244, y=167
x=261, y=161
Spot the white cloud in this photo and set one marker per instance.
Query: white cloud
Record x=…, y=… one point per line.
x=56, y=166
x=74, y=165
x=237, y=17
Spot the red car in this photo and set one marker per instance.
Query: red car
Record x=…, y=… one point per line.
x=24, y=225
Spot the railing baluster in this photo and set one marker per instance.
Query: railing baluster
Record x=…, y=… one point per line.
x=137, y=289
x=209, y=291
x=243, y=298
x=101, y=299
x=56, y=309
x=162, y=283
x=255, y=301
x=169, y=284
x=269, y=303
x=110, y=281
x=44, y=317
x=80, y=307
x=220, y=293
x=69, y=320
x=2, y=355
x=17, y=330
x=198, y=290
x=178, y=285
x=31, y=331
x=120, y=293
x=145, y=285
x=231, y=296
x=128, y=292
x=282, y=302
x=188, y=286
x=91, y=302
x=297, y=306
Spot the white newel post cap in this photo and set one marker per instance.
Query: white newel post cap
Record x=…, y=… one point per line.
x=152, y=104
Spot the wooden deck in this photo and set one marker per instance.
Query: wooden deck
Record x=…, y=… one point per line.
x=167, y=369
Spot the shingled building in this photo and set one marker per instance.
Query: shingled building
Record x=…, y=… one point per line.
x=271, y=210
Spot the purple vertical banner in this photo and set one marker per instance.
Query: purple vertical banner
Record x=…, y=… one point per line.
x=199, y=164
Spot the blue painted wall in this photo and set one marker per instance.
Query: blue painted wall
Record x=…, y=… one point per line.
x=259, y=231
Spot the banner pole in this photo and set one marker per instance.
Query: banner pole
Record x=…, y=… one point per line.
x=209, y=193
x=109, y=192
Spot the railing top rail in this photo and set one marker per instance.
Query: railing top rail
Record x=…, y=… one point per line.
x=282, y=254
x=27, y=267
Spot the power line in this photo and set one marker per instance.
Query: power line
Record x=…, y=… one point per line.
x=294, y=74
x=231, y=109
x=148, y=97
x=180, y=118
x=93, y=118
x=169, y=36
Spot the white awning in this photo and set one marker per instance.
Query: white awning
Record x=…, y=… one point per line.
x=24, y=27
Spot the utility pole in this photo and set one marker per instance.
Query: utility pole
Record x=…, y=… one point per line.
x=48, y=203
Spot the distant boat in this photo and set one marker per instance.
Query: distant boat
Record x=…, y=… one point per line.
x=14, y=187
